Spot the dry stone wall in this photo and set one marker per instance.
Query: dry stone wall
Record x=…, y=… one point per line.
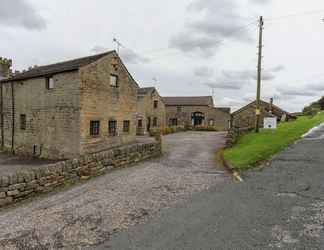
x=22, y=185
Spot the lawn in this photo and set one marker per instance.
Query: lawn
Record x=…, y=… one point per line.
x=253, y=148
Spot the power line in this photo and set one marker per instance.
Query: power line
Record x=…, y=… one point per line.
x=222, y=41
x=306, y=13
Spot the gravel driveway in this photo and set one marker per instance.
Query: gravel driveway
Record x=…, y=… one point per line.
x=12, y=163
x=87, y=214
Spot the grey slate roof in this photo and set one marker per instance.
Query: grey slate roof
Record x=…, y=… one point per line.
x=188, y=101
x=224, y=109
x=144, y=91
x=275, y=109
x=51, y=69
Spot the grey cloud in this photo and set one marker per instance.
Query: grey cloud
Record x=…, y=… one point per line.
x=99, y=49
x=261, y=1
x=278, y=68
x=20, y=13
x=316, y=86
x=203, y=72
x=220, y=20
x=231, y=79
x=190, y=42
x=128, y=56
x=234, y=85
x=297, y=92
x=308, y=90
x=248, y=75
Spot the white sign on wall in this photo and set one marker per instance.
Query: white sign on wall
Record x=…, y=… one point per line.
x=270, y=122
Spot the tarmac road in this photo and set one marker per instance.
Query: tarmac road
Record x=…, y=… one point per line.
x=279, y=207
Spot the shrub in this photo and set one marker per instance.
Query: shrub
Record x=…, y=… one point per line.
x=311, y=111
x=166, y=131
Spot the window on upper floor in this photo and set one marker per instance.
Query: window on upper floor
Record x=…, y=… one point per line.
x=156, y=104
x=179, y=109
x=49, y=83
x=112, y=128
x=23, y=122
x=94, y=128
x=114, y=81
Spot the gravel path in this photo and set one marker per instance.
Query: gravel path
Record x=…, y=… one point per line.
x=11, y=163
x=88, y=214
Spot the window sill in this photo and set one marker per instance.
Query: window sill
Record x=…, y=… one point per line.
x=94, y=136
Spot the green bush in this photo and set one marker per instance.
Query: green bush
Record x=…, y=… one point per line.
x=312, y=110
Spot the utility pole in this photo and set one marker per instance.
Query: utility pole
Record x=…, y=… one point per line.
x=258, y=97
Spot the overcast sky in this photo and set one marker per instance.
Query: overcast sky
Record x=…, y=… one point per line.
x=181, y=47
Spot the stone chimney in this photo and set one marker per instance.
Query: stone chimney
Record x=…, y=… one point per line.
x=5, y=67
x=271, y=105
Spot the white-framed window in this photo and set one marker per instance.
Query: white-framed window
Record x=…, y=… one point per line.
x=114, y=81
x=49, y=83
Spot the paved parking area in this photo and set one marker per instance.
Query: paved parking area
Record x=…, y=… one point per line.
x=87, y=214
x=12, y=163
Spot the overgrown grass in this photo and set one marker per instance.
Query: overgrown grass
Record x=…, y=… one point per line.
x=253, y=148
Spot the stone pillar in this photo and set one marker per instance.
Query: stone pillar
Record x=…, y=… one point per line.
x=5, y=70
x=5, y=67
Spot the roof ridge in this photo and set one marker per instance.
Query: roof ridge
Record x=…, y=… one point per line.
x=75, y=59
x=59, y=67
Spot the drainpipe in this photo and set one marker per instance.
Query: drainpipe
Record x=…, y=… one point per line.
x=1, y=116
x=13, y=118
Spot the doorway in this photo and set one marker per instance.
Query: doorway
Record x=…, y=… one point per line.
x=148, y=125
x=198, y=119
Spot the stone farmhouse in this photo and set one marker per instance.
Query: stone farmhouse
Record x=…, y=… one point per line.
x=150, y=111
x=195, y=111
x=245, y=117
x=68, y=109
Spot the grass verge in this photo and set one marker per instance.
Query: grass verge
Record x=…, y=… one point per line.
x=252, y=148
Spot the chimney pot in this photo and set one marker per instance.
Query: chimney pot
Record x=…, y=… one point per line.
x=5, y=67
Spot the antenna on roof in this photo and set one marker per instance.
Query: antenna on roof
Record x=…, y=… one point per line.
x=213, y=92
x=119, y=45
x=155, y=81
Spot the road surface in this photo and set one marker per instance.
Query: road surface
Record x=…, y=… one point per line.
x=279, y=207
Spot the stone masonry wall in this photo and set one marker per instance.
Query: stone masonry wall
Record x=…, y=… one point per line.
x=52, y=116
x=246, y=118
x=220, y=118
x=22, y=185
x=102, y=102
x=146, y=110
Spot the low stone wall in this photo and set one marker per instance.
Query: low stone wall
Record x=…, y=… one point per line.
x=24, y=184
x=233, y=135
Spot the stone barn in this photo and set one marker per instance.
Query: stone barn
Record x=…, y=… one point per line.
x=195, y=111
x=150, y=111
x=245, y=117
x=70, y=108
